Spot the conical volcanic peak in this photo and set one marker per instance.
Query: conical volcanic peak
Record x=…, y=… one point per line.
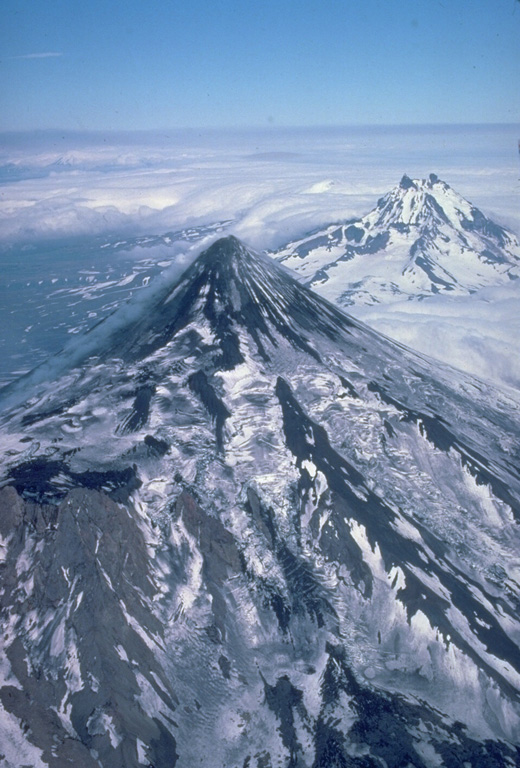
x=248, y=522
x=422, y=238
x=226, y=253
x=224, y=261
x=228, y=287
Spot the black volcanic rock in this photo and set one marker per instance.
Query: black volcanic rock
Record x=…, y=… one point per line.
x=407, y=183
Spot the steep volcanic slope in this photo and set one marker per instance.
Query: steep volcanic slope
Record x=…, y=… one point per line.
x=421, y=238
x=62, y=287
x=251, y=532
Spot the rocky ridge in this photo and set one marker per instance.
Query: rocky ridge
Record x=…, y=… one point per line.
x=421, y=239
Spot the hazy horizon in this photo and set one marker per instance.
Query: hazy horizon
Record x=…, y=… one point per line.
x=157, y=131
x=65, y=183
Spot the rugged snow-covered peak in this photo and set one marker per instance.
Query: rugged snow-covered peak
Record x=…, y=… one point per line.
x=422, y=201
x=421, y=238
x=250, y=528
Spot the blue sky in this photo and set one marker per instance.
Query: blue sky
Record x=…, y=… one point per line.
x=154, y=64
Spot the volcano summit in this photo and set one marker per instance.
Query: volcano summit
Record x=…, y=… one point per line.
x=246, y=530
x=422, y=238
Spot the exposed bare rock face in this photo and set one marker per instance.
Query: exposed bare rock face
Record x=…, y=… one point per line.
x=247, y=531
x=76, y=615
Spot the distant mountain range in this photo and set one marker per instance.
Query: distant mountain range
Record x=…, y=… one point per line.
x=422, y=238
x=239, y=528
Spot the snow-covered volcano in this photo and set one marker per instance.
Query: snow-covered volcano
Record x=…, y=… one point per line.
x=421, y=238
x=247, y=530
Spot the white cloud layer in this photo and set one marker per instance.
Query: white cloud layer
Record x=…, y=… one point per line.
x=477, y=333
x=275, y=185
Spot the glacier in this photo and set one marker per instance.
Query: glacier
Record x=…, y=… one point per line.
x=245, y=529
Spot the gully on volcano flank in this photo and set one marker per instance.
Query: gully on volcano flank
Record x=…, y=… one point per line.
x=246, y=530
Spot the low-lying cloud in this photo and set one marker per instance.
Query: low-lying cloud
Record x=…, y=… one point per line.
x=274, y=186
x=63, y=186
x=477, y=333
